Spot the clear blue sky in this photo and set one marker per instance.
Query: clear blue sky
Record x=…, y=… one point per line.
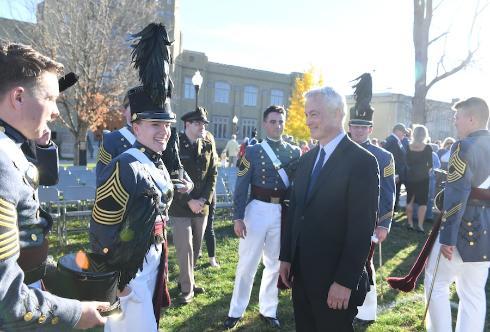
x=341, y=38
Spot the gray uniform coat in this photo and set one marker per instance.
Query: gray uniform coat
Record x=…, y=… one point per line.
x=466, y=223
x=21, y=307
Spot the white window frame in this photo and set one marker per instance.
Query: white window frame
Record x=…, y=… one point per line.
x=189, y=90
x=222, y=92
x=250, y=94
x=246, y=127
x=277, y=97
x=220, y=126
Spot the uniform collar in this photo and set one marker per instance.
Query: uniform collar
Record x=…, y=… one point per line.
x=186, y=140
x=397, y=139
x=273, y=142
x=153, y=156
x=481, y=132
x=12, y=133
x=366, y=143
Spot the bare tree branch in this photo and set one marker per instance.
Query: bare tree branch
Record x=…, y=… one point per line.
x=423, y=14
x=89, y=38
x=453, y=71
x=438, y=37
x=437, y=6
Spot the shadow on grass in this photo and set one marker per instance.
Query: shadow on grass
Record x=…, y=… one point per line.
x=208, y=311
x=399, y=253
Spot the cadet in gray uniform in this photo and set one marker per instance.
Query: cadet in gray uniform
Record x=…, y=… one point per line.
x=463, y=248
x=42, y=153
x=116, y=142
x=28, y=93
x=258, y=217
x=360, y=127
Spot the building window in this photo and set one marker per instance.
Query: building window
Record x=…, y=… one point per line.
x=247, y=126
x=250, y=96
x=220, y=126
x=189, y=91
x=277, y=97
x=221, y=92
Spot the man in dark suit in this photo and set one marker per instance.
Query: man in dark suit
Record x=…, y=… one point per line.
x=394, y=144
x=330, y=222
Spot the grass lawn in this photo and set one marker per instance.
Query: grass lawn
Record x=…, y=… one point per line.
x=398, y=311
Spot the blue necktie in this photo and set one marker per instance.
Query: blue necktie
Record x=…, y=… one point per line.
x=316, y=172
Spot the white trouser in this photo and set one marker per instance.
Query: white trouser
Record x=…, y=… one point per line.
x=137, y=307
x=470, y=279
x=263, y=239
x=368, y=309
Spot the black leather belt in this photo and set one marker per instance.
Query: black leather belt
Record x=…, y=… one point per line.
x=35, y=274
x=267, y=199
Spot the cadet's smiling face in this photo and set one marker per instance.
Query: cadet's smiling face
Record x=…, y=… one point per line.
x=360, y=134
x=36, y=105
x=152, y=134
x=274, y=125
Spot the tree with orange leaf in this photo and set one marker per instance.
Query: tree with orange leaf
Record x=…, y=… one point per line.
x=89, y=38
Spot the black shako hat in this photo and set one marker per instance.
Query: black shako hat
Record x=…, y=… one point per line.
x=151, y=57
x=361, y=114
x=200, y=114
x=67, y=81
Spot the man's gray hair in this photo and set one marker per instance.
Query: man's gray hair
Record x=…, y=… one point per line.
x=334, y=100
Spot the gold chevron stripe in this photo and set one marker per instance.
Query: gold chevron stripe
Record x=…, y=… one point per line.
x=120, y=195
x=10, y=246
x=245, y=161
x=386, y=216
x=8, y=219
x=7, y=204
x=389, y=170
x=104, y=218
x=107, y=218
x=8, y=240
x=457, y=166
x=8, y=234
x=242, y=173
x=244, y=167
x=7, y=224
x=111, y=188
x=8, y=213
x=113, y=183
x=104, y=156
x=11, y=252
x=7, y=209
x=452, y=211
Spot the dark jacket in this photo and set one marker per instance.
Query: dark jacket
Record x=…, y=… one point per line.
x=45, y=159
x=200, y=163
x=327, y=238
x=399, y=154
